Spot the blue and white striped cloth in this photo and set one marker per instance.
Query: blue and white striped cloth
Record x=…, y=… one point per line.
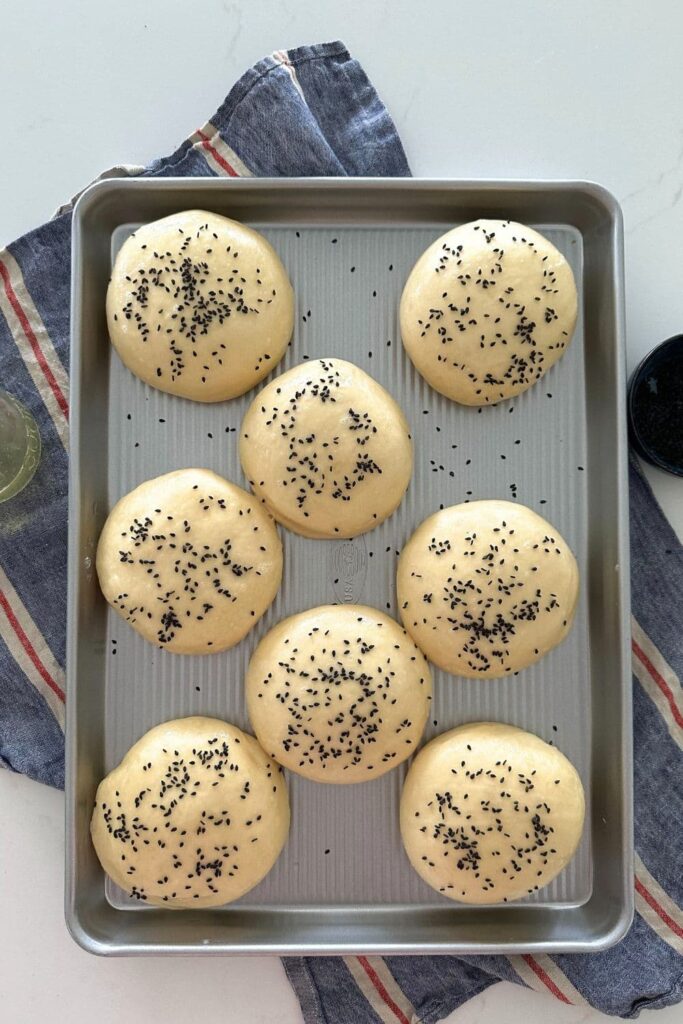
x=330, y=121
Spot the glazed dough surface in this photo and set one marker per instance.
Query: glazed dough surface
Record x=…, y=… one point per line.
x=487, y=309
x=199, y=305
x=190, y=560
x=194, y=816
x=490, y=813
x=327, y=449
x=338, y=693
x=486, y=588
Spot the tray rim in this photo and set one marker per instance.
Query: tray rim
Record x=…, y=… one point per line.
x=613, y=929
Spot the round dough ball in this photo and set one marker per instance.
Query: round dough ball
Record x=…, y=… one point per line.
x=190, y=561
x=327, y=449
x=487, y=588
x=486, y=311
x=199, y=306
x=490, y=813
x=195, y=815
x=338, y=693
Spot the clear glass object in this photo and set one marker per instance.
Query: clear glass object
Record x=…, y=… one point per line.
x=19, y=446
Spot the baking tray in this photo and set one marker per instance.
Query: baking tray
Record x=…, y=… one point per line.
x=343, y=883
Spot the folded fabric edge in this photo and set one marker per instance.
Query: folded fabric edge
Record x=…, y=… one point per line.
x=437, y=1009
x=669, y=535
x=671, y=997
x=239, y=91
x=301, y=980
x=244, y=85
x=246, y=82
x=380, y=1002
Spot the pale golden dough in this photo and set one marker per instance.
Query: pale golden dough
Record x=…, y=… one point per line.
x=490, y=813
x=487, y=309
x=194, y=816
x=486, y=588
x=190, y=560
x=199, y=305
x=327, y=449
x=338, y=693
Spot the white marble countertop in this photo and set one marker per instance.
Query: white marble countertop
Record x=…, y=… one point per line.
x=538, y=88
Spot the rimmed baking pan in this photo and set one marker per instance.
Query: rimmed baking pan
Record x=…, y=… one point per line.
x=343, y=883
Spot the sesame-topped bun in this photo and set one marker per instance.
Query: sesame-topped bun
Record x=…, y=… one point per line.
x=486, y=311
x=190, y=561
x=194, y=816
x=490, y=813
x=487, y=588
x=199, y=306
x=338, y=693
x=327, y=450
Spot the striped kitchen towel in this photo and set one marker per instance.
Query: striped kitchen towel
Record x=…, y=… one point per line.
x=330, y=122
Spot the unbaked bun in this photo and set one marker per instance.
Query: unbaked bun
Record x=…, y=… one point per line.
x=199, y=306
x=327, y=449
x=486, y=311
x=194, y=816
x=487, y=588
x=490, y=813
x=338, y=693
x=190, y=561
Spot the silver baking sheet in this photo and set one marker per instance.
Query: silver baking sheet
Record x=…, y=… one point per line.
x=343, y=882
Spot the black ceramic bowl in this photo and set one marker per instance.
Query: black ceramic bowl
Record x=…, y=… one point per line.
x=655, y=406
